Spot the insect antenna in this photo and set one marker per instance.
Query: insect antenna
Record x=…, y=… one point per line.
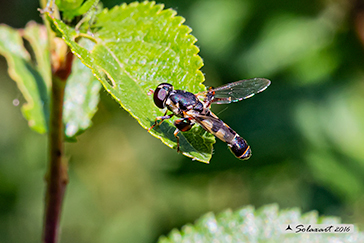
x=150, y=92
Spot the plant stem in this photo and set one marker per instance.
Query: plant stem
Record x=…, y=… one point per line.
x=56, y=176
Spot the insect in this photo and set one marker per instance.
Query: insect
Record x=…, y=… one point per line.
x=195, y=108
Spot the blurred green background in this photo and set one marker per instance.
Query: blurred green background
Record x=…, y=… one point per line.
x=306, y=130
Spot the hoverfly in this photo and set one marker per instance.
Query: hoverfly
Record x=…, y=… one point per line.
x=195, y=108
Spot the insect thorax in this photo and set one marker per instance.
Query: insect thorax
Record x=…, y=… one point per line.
x=180, y=101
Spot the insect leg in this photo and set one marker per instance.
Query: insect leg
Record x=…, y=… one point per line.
x=160, y=119
x=183, y=125
x=175, y=134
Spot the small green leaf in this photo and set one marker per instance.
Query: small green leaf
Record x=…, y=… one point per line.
x=28, y=77
x=264, y=225
x=73, y=8
x=33, y=78
x=81, y=97
x=68, y=5
x=37, y=36
x=137, y=47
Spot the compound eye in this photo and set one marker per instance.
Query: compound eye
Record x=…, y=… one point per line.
x=161, y=94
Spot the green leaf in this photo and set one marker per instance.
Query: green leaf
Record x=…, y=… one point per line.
x=137, y=47
x=29, y=77
x=68, y=5
x=36, y=35
x=264, y=225
x=73, y=8
x=81, y=97
x=33, y=78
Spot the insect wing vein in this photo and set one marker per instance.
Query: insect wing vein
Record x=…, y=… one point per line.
x=237, y=91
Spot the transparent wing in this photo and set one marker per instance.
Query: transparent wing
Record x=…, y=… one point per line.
x=236, y=91
x=207, y=122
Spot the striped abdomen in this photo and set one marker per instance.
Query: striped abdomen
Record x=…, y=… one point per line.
x=240, y=148
x=237, y=145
